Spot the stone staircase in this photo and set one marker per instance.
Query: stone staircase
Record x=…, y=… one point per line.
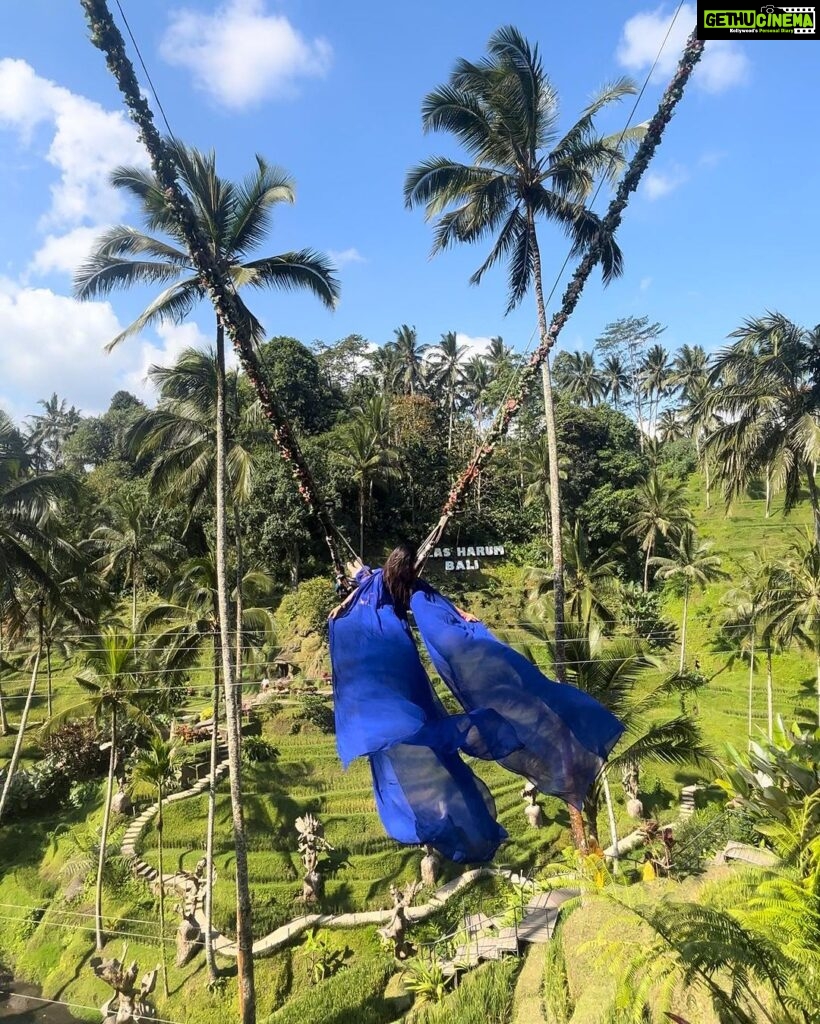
x=132, y=835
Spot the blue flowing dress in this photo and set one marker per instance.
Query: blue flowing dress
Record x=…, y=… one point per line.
x=387, y=710
x=564, y=734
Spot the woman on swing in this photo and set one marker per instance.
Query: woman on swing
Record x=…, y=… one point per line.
x=554, y=735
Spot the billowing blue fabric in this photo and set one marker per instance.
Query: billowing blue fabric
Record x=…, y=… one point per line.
x=564, y=734
x=386, y=709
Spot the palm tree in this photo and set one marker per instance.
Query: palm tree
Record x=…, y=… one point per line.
x=154, y=772
x=504, y=111
x=578, y=377
x=132, y=546
x=234, y=220
x=180, y=438
x=384, y=365
x=661, y=512
x=367, y=454
x=499, y=357
x=477, y=379
x=692, y=564
x=410, y=369
x=447, y=372
x=110, y=678
x=655, y=376
x=536, y=470
x=615, y=379
x=793, y=600
x=764, y=388
x=670, y=426
x=689, y=372
x=744, y=623
x=50, y=430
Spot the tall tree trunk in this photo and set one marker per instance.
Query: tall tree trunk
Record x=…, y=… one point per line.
x=294, y=565
x=233, y=706
x=450, y=426
x=682, y=663
x=210, y=957
x=109, y=795
x=815, y=503
x=591, y=815
x=646, y=568
x=613, y=828
x=769, y=693
x=240, y=574
x=163, y=957
x=575, y=818
x=768, y=492
x=708, y=481
x=4, y=721
x=49, y=694
x=361, y=521
x=11, y=768
x=134, y=602
x=751, y=683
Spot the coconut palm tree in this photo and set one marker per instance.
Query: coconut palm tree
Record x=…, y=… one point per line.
x=447, y=372
x=368, y=455
x=50, y=430
x=153, y=773
x=234, y=219
x=384, y=365
x=132, y=545
x=179, y=437
x=576, y=374
x=615, y=379
x=504, y=110
x=110, y=678
x=499, y=357
x=670, y=426
x=692, y=564
x=763, y=387
x=410, y=368
x=793, y=599
x=477, y=379
x=655, y=381
x=661, y=512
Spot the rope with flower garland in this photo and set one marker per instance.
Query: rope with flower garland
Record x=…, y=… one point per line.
x=527, y=379
x=107, y=37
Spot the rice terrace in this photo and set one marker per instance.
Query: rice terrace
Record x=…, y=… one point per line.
x=409, y=514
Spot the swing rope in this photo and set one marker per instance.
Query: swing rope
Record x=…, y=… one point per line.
x=106, y=37
x=640, y=161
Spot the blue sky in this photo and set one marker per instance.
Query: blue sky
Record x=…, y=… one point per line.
x=724, y=227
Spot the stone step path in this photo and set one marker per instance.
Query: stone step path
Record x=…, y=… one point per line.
x=489, y=939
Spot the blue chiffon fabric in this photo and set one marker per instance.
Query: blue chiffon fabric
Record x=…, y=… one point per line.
x=386, y=710
x=564, y=734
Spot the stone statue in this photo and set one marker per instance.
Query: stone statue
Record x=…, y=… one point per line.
x=532, y=810
x=189, y=937
x=395, y=930
x=311, y=843
x=630, y=779
x=129, y=1004
x=121, y=801
x=430, y=865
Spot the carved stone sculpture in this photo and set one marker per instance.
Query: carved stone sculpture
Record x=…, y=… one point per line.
x=128, y=1004
x=395, y=930
x=532, y=810
x=189, y=939
x=312, y=844
x=430, y=866
x=121, y=801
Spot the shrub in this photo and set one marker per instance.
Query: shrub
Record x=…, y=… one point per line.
x=75, y=748
x=317, y=711
x=256, y=749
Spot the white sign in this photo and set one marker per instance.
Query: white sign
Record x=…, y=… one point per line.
x=459, y=559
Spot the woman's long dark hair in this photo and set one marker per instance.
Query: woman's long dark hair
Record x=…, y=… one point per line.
x=399, y=575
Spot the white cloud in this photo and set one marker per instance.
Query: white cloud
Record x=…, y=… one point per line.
x=64, y=253
x=86, y=142
x=52, y=342
x=240, y=54
x=645, y=283
x=657, y=184
x=344, y=257
x=476, y=346
x=723, y=65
